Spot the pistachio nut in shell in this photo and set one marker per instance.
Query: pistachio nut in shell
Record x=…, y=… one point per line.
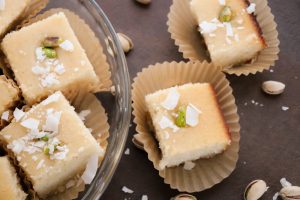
x=126, y=42
x=255, y=190
x=273, y=87
x=184, y=197
x=290, y=193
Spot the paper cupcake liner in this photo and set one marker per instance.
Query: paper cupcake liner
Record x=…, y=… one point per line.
x=207, y=172
x=97, y=120
x=89, y=43
x=183, y=28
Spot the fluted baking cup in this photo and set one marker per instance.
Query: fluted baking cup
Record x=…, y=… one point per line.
x=207, y=172
x=183, y=28
x=89, y=42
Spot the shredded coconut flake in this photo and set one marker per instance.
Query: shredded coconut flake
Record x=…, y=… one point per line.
x=192, y=115
x=276, y=195
x=5, y=115
x=41, y=163
x=127, y=190
x=49, y=80
x=165, y=122
x=18, y=114
x=38, y=70
x=31, y=124
x=40, y=56
x=17, y=146
x=2, y=5
x=67, y=45
x=172, y=99
x=251, y=8
x=285, y=183
x=52, y=122
x=91, y=169
x=59, y=69
x=83, y=114
x=229, y=30
x=127, y=151
x=284, y=108
x=222, y=2
x=53, y=98
x=207, y=27
x=188, y=165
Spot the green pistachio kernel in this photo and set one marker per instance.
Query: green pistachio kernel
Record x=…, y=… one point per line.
x=49, y=52
x=226, y=14
x=180, y=119
x=52, y=42
x=46, y=150
x=45, y=138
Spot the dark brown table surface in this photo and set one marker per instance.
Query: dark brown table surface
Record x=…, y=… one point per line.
x=270, y=137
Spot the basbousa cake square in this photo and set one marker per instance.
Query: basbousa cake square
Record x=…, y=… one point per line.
x=46, y=56
x=188, y=123
x=51, y=143
x=10, y=11
x=229, y=29
x=10, y=187
x=9, y=96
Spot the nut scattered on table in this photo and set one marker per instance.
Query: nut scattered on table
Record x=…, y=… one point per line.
x=184, y=197
x=137, y=143
x=126, y=42
x=145, y=2
x=255, y=190
x=290, y=193
x=273, y=87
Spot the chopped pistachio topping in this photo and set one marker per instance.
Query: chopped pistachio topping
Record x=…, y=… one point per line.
x=226, y=14
x=49, y=52
x=46, y=150
x=52, y=42
x=45, y=138
x=180, y=119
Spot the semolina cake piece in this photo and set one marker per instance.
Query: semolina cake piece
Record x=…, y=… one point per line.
x=10, y=11
x=188, y=123
x=229, y=29
x=9, y=96
x=10, y=188
x=50, y=143
x=46, y=56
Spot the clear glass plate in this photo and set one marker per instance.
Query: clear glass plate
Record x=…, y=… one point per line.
x=118, y=106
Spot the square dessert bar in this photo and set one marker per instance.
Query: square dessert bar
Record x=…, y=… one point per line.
x=51, y=144
x=10, y=187
x=188, y=123
x=46, y=56
x=9, y=94
x=229, y=29
x=10, y=11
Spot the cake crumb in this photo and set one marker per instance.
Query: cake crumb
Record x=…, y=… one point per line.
x=285, y=108
x=127, y=190
x=144, y=197
x=127, y=151
x=41, y=163
x=271, y=70
x=5, y=115
x=285, y=183
x=276, y=195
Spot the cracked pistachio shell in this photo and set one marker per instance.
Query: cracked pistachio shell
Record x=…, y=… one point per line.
x=126, y=42
x=255, y=190
x=273, y=87
x=184, y=197
x=290, y=193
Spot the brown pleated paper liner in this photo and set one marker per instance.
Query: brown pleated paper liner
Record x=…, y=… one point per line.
x=207, y=172
x=183, y=28
x=89, y=42
x=97, y=121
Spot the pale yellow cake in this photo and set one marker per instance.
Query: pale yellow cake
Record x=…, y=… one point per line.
x=10, y=188
x=188, y=123
x=230, y=41
x=51, y=144
x=9, y=94
x=41, y=70
x=10, y=11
